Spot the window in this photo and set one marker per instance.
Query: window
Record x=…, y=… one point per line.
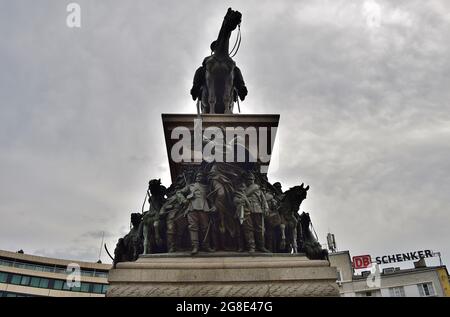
x=43, y=283
x=30, y=266
x=87, y=273
x=3, y=277
x=35, y=281
x=20, y=265
x=76, y=288
x=426, y=289
x=97, y=288
x=85, y=287
x=6, y=263
x=48, y=269
x=397, y=291
x=58, y=284
x=101, y=274
x=25, y=280
x=16, y=279
x=60, y=270
x=66, y=287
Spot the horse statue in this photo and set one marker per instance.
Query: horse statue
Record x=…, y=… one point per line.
x=218, y=83
x=151, y=227
x=288, y=211
x=308, y=242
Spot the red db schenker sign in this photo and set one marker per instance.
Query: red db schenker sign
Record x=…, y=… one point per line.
x=362, y=261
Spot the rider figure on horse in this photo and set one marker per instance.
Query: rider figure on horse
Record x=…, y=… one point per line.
x=218, y=83
x=199, y=80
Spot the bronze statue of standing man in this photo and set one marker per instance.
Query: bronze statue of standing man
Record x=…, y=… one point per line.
x=255, y=208
x=197, y=213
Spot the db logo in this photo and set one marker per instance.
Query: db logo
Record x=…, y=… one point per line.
x=362, y=262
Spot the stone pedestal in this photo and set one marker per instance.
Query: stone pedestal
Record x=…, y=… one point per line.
x=223, y=274
x=247, y=122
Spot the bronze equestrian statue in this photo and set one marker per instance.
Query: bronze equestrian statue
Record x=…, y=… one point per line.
x=220, y=206
x=288, y=210
x=218, y=83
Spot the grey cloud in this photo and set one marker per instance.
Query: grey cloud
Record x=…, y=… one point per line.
x=98, y=234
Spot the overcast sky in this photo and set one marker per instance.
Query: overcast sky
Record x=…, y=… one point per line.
x=362, y=87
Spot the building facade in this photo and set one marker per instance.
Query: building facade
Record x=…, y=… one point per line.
x=420, y=281
x=30, y=275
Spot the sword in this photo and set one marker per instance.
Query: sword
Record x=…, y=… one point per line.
x=207, y=231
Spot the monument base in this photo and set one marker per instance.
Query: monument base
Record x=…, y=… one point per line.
x=223, y=274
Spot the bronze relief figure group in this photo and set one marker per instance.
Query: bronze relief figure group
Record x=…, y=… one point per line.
x=220, y=207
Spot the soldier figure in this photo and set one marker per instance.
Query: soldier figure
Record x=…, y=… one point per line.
x=242, y=204
x=200, y=80
x=171, y=209
x=133, y=240
x=198, y=214
x=271, y=221
x=278, y=192
x=254, y=212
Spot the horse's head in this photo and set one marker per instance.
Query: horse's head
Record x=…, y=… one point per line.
x=136, y=219
x=232, y=19
x=155, y=187
x=297, y=193
x=303, y=191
